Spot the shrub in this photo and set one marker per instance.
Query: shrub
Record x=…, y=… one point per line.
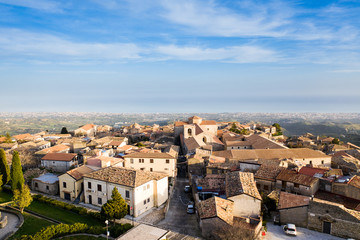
x=117, y=230
x=67, y=206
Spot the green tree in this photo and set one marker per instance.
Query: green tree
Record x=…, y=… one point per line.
x=4, y=168
x=278, y=129
x=22, y=198
x=8, y=138
x=115, y=208
x=64, y=130
x=335, y=141
x=16, y=173
x=1, y=184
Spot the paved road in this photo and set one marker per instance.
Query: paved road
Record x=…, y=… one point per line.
x=177, y=219
x=13, y=220
x=276, y=232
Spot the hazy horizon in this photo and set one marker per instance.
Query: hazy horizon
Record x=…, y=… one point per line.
x=188, y=56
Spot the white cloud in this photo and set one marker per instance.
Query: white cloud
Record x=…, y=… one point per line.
x=44, y=5
x=45, y=46
x=238, y=54
x=208, y=18
x=41, y=48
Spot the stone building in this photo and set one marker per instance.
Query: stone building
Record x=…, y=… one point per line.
x=333, y=218
x=265, y=178
x=291, y=181
x=291, y=205
x=47, y=183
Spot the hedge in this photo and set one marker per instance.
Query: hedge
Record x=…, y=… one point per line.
x=67, y=206
x=55, y=231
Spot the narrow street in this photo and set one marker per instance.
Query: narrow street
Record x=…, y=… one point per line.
x=177, y=219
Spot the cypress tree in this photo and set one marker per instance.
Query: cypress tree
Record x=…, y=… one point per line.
x=4, y=168
x=17, y=178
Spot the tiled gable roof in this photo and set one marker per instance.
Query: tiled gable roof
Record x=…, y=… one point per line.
x=241, y=183
x=78, y=173
x=289, y=200
x=268, y=172
x=59, y=157
x=124, y=176
x=149, y=155
x=355, y=181
x=217, y=207
x=291, y=176
x=87, y=127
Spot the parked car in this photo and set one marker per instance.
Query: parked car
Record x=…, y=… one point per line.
x=190, y=208
x=187, y=189
x=290, y=229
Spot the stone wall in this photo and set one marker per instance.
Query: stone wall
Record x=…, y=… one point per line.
x=343, y=223
x=297, y=216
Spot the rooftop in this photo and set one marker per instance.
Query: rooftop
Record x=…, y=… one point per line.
x=217, y=207
x=289, y=200
x=241, y=183
x=149, y=155
x=59, y=156
x=125, y=176
x=291, y=176
x=268, y=172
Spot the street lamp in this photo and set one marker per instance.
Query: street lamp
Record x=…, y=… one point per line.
x=107, y=232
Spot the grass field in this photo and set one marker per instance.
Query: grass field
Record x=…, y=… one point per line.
x=31, y=226
x=5, y=197
x=62, y=215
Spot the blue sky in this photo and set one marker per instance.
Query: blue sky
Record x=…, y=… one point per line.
x=180, y=56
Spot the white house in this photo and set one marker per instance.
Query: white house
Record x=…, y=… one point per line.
x=142, y=190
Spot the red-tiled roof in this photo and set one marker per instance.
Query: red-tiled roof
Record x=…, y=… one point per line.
x=88, y=127
x=59, y=156
x=311, y=171
x=289, y=200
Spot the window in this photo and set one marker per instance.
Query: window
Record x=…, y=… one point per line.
x=36, y=184
x=99, y=187
x=322, y=162
x=131, y=161
x=151, y=169
x=167, y=161
x=189, y=131
x=127, y=194
x=142, y=168
x=64, y=184
x=99, y=200
x=296, y=185
x=89, y=185
x=204, y=139
x=148, y=200
x=310, y=162
x=144, y=201
x=151, y=160
x=141, y=160
x=166, y=169
x=47, y=187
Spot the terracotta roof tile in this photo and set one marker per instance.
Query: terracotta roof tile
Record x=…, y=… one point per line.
x=312, y=171
x=217, y=207
x=289, y=200
x=59, y=156
x=268, y=172
x=208, y=122
x=79, y=172
x=149, y=155
x=125, y=176
x=355, y=181
x=291, y=176
x=241, y=183
x=87, y=127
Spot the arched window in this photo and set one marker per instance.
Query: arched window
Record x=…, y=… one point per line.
x=204, y=139
x=189, y=131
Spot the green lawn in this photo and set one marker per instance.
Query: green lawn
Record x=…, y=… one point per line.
x=62, y=215
x=5, y=197
x=31, y=226
x=83, y=237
